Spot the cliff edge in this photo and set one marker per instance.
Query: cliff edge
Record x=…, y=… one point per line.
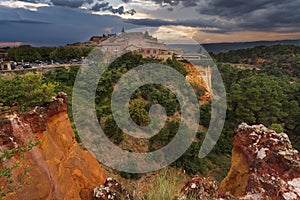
x=58, y=168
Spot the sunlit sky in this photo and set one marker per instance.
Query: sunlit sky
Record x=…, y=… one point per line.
x=59, y=22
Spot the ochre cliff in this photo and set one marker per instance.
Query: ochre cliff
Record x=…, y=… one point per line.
x=195, y=78
x=264, y=165
x=58, y=167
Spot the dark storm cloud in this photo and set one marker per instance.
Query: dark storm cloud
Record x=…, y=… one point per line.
x=256, y=15
x=190, y=3
x=236, y=14
x=234, y=8
x=209, y=24
x=55, y=25
x=23, y=22
x=106, y=7
x=166, y=2
x=119, y=10
x=99, y=6
x=68, y=3
x=239, y=15
x=185, y=3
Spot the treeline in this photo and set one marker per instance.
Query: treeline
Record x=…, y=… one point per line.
x=256, y=97
x=276, y=53
x=28, y=53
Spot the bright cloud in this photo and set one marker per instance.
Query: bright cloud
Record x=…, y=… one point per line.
x=21, y=4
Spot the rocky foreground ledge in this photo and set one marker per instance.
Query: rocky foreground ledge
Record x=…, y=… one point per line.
x=264, y=165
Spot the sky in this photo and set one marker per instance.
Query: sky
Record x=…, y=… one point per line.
x=60, y=22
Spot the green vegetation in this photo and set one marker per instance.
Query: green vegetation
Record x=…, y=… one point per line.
x=274, y=60
x=112, y=130
x=276, y=53
x=277, y=128
x=270, y=96
x=163, y=188
x=30, y=54
x=26, y=92
x=217, y=163
x=6, y=172
x=24, y=53
x=141, y=100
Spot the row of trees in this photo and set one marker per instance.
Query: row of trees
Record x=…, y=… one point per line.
x=30, y=54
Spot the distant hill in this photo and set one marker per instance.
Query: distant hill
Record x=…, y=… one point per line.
x=224, y=47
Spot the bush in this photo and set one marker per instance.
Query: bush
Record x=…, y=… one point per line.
x=277, y=128
x=112, y=131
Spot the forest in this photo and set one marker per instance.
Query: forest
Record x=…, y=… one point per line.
x=269, y=96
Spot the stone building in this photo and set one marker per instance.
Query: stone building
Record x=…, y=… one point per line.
x=5, y=65
x=139, y=42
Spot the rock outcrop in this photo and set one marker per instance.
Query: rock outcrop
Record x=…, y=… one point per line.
x=111, y=189
x=58, y=168
x=203, y=188
x=264, y=165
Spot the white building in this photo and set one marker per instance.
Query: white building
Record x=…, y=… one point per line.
x=129, y=41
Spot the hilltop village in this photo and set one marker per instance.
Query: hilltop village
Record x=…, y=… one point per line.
x=139, y=42
x=113, y=45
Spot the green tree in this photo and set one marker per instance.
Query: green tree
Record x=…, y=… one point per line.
x=257, y=99
x=112, y=130
x=35, y=91
x=276, y=127
x=24, y=53
x=45, y=52
x=138, y=113
x=26, y=92
x=66, y=53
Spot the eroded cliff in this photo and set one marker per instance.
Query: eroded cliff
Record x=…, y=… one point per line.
x=58, y=168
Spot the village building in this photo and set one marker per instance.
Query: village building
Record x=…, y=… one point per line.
x=5, y=65
x=138, y=42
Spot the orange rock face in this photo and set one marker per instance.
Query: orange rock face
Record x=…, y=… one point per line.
x=264, y=165
x=195, y=78
x=58, y=168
